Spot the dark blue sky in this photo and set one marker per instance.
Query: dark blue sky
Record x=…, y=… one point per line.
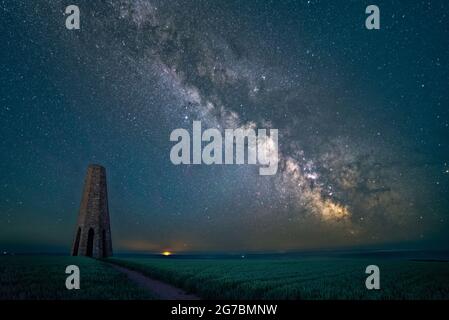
x=362, y=116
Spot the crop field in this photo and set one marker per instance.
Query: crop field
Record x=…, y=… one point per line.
x=315, y=278
x=43, y=278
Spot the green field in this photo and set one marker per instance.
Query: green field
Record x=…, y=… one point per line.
x=297, y=278
x=43, y=277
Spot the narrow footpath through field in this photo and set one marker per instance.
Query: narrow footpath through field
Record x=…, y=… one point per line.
x=162, y=290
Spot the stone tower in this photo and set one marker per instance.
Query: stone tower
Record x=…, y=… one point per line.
x=93, y=231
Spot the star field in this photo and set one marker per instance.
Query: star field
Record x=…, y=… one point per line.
x=362, y=116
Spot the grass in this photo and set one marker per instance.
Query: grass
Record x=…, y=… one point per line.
x=297, y=278
x=43, y=278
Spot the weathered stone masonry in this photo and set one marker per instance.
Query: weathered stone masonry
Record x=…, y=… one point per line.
x=93, y=231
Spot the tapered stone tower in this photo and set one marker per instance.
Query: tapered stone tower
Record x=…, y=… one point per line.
x=93, y=231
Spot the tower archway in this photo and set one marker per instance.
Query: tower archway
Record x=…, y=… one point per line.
x=90, y=243
x=77, y=242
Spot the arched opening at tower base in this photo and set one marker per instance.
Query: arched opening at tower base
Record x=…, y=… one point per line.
x=77, y=242
x=90, y=243
x=103, y=247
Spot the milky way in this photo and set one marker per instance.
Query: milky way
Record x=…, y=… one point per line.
x=362, y=120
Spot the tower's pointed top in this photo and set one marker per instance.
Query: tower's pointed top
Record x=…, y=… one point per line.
x=96, y=166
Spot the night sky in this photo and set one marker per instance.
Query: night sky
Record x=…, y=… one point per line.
x=363, y=120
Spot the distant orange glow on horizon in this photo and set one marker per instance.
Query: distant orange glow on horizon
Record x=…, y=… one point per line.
x=166, y=253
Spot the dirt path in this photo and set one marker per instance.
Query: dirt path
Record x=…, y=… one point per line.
x=160, y=289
